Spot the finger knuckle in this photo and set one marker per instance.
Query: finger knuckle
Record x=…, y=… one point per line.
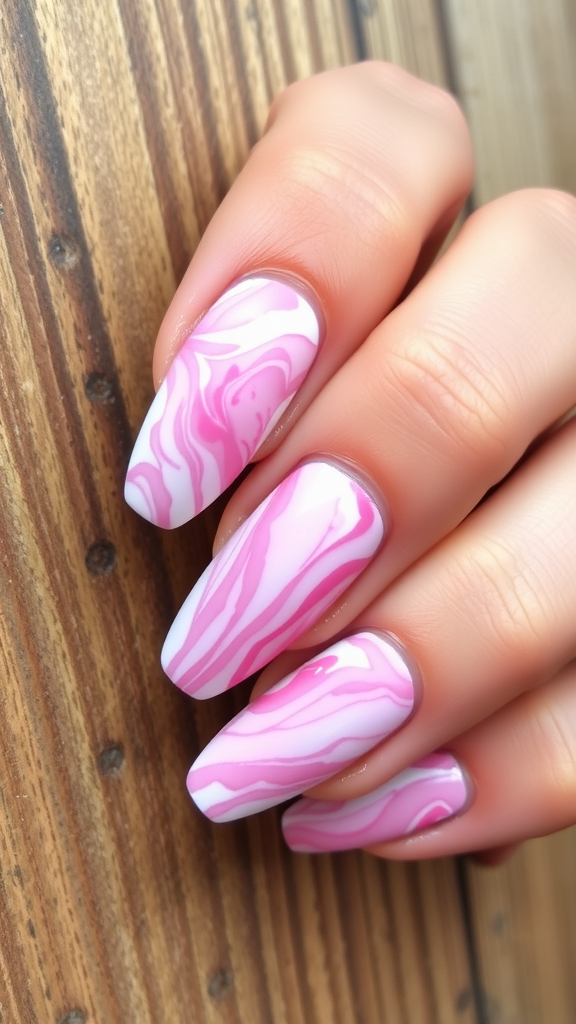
x=375, y=90
x=325, y=178
x=539, y=219
x=554, y=746
x=292, y=94
x=502, y=595
x=552, y=204
x=559, y=212
x=451, y=395
x=433, y=98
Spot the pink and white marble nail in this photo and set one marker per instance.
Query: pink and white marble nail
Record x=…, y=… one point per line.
x=308, y=726
x=224, y=392
x=428, y=792
x=284, y=566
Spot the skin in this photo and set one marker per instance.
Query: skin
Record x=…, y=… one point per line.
x=447, y=402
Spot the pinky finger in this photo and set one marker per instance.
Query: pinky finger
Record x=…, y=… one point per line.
x=513, y=777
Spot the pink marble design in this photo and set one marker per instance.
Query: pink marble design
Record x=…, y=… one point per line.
x=428, y=792
x=224, y=392
x=308, y=726
x=286, y=564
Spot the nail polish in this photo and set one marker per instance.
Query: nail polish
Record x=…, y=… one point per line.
x=285, y=565
x=423, y=795
x=308, y=726
x=224, y=392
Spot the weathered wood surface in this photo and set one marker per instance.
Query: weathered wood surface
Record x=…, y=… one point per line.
x=122, y=124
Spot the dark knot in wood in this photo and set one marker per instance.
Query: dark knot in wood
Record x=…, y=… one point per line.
x=100, y=558
x=220, y=984
x=111, y=760
x=73, y=1017
x=63, y=251
x=99, y=388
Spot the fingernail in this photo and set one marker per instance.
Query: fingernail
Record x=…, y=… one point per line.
x=224, y=392
x=314, y=722
x=283, y=567
x=428, y=792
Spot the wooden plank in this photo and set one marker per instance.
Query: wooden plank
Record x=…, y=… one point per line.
x=123, y=126
x=525, y=928
x=516, y=76
x=427, y=974
x=408, y=34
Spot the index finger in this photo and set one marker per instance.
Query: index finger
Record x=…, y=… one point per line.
x=357, y=179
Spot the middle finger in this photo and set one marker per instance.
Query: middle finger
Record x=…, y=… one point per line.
x=449, y=391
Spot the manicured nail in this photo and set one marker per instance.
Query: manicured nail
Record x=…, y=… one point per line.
x=283, y=567
x=308, y=726
x=428, y=792
x=224, y=392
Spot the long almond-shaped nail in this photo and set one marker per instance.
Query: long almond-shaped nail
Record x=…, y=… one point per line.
x=428, y=792
x=308, y=726
x=225, y=390
x=283, y=567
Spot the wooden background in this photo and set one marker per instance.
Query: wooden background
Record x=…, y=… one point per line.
x=122, y=124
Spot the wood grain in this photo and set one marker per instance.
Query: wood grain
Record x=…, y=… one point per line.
x=515, y=71
x=122, y=125
x=525, y=929
x=409, y=34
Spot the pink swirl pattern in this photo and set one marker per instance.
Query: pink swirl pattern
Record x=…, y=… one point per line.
x=283, y=567
x=428, y=792
x=224, y=392
x=309, y=725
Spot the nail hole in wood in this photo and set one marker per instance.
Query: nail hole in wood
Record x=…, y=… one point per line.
x=498, y=924
x=220, y=984
x=463, y=1000
x=73, y=1017
x=63, y=252
x=111, y=760
x=99, y=388
x=100, y=558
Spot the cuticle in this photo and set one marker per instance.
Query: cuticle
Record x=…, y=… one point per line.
x=469, y=783
x=352, y=469
x=407, y=657
x=415, y=837
x=300, y=284
x=471, y=792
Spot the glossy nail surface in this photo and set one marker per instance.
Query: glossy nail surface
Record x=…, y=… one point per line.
x=284, y=566
x=224, y=392
x=309, y=725
x=428, y=792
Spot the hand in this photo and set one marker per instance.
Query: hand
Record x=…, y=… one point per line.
x=406, y=546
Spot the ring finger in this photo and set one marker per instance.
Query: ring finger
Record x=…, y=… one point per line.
x=511, y=778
